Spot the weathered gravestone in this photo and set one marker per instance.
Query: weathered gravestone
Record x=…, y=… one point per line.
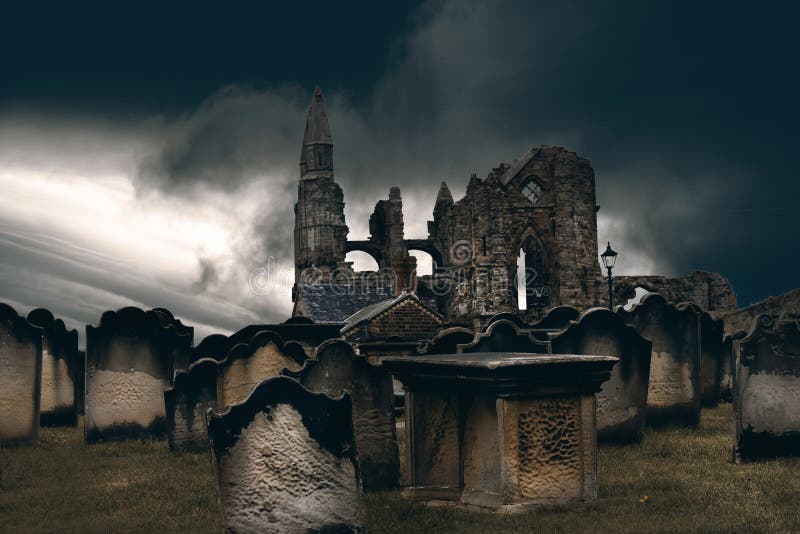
x=673, y=395
x=766, y=390
x=504, y=336
x=622, y=400
x=555, y=320
x=501, y=430
x=285, y=460
x=335, y=370
x=446, y=341
x=129, y=360
x=729, y=364
x=194, y=391
x=246, y=365
x=58, y=406
x=182, y=349
x=20, y=377
x=80, y=382
x=712, y=356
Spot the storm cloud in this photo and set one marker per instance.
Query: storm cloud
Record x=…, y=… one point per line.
x=686, y=112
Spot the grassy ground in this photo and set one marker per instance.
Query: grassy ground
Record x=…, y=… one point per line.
x=676, y=480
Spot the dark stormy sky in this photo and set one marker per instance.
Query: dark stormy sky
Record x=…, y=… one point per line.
x=148, y=155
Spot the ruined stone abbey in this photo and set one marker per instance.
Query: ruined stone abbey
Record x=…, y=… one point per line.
x=540, y=210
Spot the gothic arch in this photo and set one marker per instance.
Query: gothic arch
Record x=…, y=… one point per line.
x=539, y=274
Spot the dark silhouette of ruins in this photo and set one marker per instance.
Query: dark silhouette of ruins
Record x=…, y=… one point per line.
x=540, y=209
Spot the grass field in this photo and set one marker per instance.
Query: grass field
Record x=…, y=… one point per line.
x=676, y=480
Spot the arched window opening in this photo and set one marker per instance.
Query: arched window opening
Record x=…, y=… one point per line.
x=424, y=262
x=362, y=261
x=533, y=280
x=532, y=191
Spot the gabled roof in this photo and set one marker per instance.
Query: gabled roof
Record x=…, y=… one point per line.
x=373, y=310
x=519, y=165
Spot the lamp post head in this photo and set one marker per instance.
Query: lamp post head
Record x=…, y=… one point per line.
x=609, y=257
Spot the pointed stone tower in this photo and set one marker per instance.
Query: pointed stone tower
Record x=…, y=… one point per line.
x=320, y=231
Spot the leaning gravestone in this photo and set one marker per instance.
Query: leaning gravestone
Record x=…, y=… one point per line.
x=58, y=405
x=673, y=394
x=766, y=390
x=622, y=400
x=194, y=391
x=246, y=365
x=286, y=462
x=20, y=376
x=335, y=370
x=128, y=365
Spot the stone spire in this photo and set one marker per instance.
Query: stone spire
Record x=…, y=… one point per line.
x=316, y=154
x=444, y=196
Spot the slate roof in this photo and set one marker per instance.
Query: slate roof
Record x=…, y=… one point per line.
x=373, y=310
x=329, y=303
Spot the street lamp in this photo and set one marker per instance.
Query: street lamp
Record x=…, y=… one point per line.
x=609, y=259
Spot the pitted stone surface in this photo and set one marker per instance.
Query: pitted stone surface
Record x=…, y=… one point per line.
x=120, y=398
x=276, y=478
x=548, y=439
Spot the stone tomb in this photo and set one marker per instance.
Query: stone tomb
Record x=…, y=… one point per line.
x=622, y=400
x=58, y=406
x=335, y=370
x=20, y=377
x=673, y=395
x=247, y=364
x=501, y=430
x=766, y=390
x=129, y=360
x=194, y=391
x=285, y=460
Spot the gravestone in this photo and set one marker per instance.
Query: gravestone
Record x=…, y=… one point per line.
x=505, y=336
x=20, y=377
x=129, y=359
x=194, y=391
x=729, y=364
x=766, y=390
x=285, y=460
x=335, y=370
x=712, y=359
x=246, y=365
x=80, y=383
x=673, y=395
x=446, y=341
x=622, y=400
x=182, y=350
x=505, y=431
x=59, y=392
